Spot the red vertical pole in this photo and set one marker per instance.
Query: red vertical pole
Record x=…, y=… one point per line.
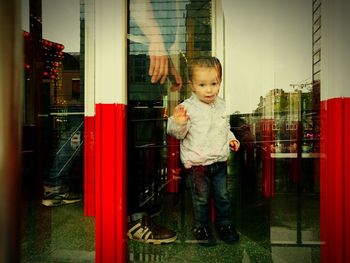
x=110, y=183
x=267, y=162
x=110, y=80
x=173, y=164
x=89, y=166
x=334, y=195
x=346, y=158
x=335, y=111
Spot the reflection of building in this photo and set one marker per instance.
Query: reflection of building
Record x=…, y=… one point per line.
x=71, y=92
x=50, y=52
x=60, y=71
x=185, y=28
x=198, y=27
x=141, y=91
x=52, y=92
x=186, y=31
x=43, y=69
x=316, y=41
x=316, y=71
x=274, y=104
x=287, y=110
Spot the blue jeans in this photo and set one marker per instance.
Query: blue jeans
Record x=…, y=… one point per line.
x=207, y=181
x=61, y=153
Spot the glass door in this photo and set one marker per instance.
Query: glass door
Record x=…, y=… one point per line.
x=54, y=227
x=272, y=102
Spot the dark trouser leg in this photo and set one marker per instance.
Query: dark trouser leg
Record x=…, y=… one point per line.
x=221, y=197
x=200, y=190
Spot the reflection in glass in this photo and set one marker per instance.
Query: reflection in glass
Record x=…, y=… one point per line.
x=53, y=139
x=273, y=180
x=178, y=30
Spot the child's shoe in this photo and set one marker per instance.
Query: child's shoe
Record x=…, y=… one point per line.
x=204, y=236
x=228, y=234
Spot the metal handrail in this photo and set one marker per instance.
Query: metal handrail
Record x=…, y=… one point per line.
x=81, y=124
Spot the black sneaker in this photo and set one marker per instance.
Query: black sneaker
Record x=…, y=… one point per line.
x=57, y=199
x=204, y=236
x=227, y=234
x=153, y=210
x=146, y=231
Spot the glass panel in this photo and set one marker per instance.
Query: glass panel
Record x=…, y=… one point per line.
x=54, y=228
x=273, y=108
x=272, y=100
x=178, y=29
x=274, y=96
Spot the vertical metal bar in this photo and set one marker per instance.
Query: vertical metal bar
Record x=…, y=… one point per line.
x=10, y=129
x=89, y=104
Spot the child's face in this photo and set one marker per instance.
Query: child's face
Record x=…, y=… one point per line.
x=205, y=83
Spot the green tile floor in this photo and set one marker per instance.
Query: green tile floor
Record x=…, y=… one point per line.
x=284, y=228
x=63, y=234
x=59, y=234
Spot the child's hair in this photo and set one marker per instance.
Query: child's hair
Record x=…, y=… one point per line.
x=204, y=62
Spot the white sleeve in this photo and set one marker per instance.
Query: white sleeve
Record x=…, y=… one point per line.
x=179, y=131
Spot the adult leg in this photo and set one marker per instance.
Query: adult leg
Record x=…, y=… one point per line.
x=56, y=185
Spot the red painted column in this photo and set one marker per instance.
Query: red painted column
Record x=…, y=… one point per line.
x=335, y=146
x=335, y=182
x=89, y=165
x=346, y=159
x=110, y=183
x=107, y=52
x=268, y=167
x=295, y=168
x=173, y=164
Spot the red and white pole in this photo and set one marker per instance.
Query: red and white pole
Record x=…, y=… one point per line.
x=106, y=130
x=335, y=129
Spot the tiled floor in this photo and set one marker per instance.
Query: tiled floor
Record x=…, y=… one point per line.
x=284, y=228
x=59, y=234
x=63, y=234
x=268, y=228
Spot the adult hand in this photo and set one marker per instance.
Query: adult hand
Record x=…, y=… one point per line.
x=158, y=68
x=174, y=77
x=162, y=67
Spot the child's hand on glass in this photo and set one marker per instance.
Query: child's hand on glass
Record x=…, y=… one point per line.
x=180, y=115
x=234, y=145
